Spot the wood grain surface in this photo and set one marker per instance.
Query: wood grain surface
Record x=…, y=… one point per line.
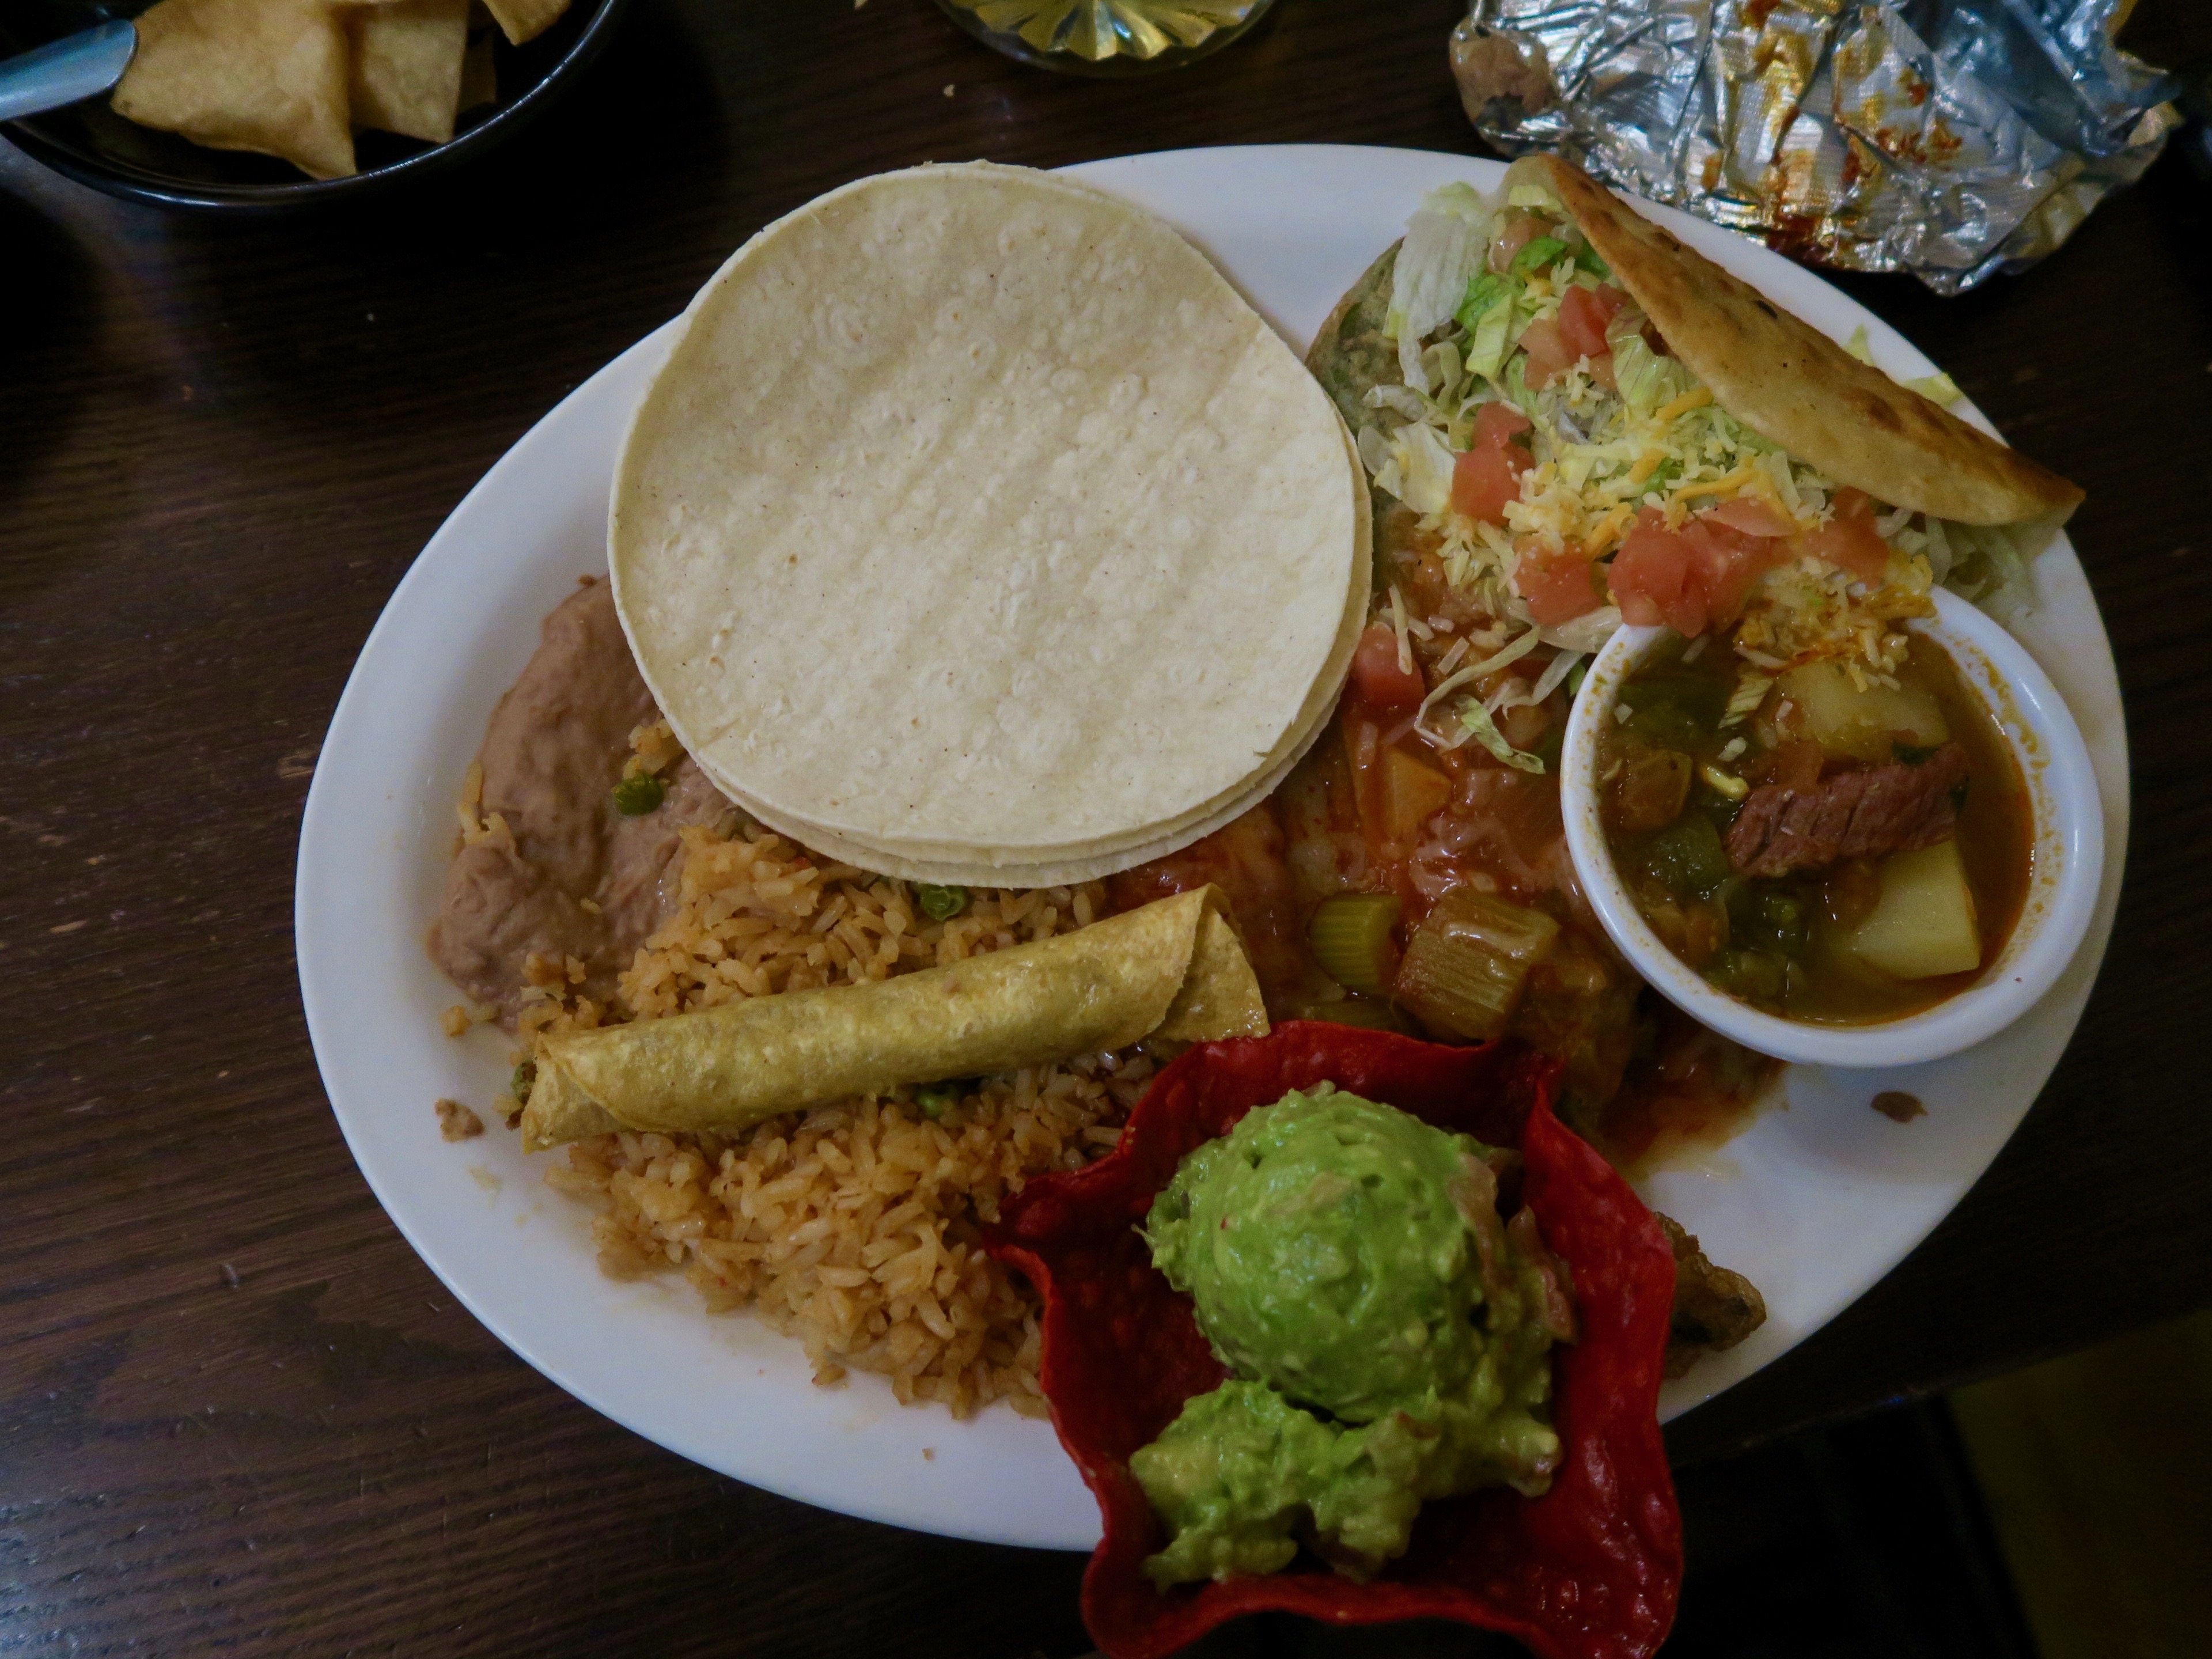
x=237, y=1414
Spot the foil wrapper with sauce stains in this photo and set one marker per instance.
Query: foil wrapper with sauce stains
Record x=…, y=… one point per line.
x=1950, y=138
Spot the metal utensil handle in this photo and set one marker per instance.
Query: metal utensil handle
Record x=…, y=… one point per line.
x=81, y=65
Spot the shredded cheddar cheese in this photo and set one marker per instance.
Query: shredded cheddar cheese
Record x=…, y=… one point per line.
x=1733, y=484
x=1696, y=397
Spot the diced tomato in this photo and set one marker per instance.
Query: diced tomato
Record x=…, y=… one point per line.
x=1691, y=579
x=1583, y=314
x=1381, y=682
x=1549, y=355
x=1558, y=589
x=1753, y=516
x=1850, y=540
x=1654, y=578
x=1484, y=480
x=1729, y=563
x=1489, y=474
x=1497, y=424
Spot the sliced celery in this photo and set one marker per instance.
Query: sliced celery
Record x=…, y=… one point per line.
x=1351, y=938
x=1467, y=962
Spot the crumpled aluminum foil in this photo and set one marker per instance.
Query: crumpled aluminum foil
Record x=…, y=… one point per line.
x=1950, y=138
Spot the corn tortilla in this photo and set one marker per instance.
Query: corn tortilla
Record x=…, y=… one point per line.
x=1172, y=970
x=959, y=868
x=974, y=516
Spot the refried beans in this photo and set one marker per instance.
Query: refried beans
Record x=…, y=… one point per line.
x=578, y=879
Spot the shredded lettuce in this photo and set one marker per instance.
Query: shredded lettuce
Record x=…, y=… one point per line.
x=1400, y=400
x=1494, y=336
x=1989, y=564
x=1483, y=292
x=1537, y=254
x=1735, y=434
x=1445, y=241
x=1473, y=671
x=1586, y=633
x=1374, y=451
x=1418, y=467
x=1548, y=682
x=1474, y=720
x=1536, y=198
x=1648, y=381
x=1514, y=383
x=1937, y=388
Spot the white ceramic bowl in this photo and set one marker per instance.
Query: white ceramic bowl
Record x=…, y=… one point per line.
x=2068, y=859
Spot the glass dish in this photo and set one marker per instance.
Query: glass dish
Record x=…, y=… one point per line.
x=1106, y=37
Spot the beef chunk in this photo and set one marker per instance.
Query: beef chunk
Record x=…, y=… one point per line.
x=1864, y=814
x=1714, y=1307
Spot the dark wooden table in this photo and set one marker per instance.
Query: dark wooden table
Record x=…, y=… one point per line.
x=236, y=1413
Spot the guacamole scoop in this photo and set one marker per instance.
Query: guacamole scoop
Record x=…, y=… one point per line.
x=1389, y=1336
x=1326, y=1242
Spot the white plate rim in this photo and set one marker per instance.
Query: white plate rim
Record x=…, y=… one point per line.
x=644, y=1354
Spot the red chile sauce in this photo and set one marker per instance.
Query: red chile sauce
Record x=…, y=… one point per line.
x=1640, y=1076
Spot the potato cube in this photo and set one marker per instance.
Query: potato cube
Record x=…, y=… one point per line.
x=1411, y=793
x=1925, y=923
x=1863, y=722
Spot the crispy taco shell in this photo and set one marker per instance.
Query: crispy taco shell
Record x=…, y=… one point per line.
x=1792, y=385
x=1172, y=970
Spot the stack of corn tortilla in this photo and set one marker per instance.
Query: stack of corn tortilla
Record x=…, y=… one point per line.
x=977, y=531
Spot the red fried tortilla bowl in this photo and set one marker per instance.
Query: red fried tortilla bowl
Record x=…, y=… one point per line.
x=1589, y=1571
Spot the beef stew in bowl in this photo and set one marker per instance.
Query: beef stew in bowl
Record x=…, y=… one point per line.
x=1840, y=850
x=1829, y=865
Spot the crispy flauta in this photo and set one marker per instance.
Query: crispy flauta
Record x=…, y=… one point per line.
x=1171, y=971
x=1794, y=386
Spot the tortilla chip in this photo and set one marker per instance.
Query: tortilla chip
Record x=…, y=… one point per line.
x=525, y=20
x=1172, y=970
x=479, y=74
x=1591, y=1570
x=407, y=57
x=1794, y=386
x=266, y=75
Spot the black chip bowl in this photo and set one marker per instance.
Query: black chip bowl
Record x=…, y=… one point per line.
x=94, y=145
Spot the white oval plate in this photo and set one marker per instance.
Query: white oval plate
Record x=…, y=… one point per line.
x=1815, y=1202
